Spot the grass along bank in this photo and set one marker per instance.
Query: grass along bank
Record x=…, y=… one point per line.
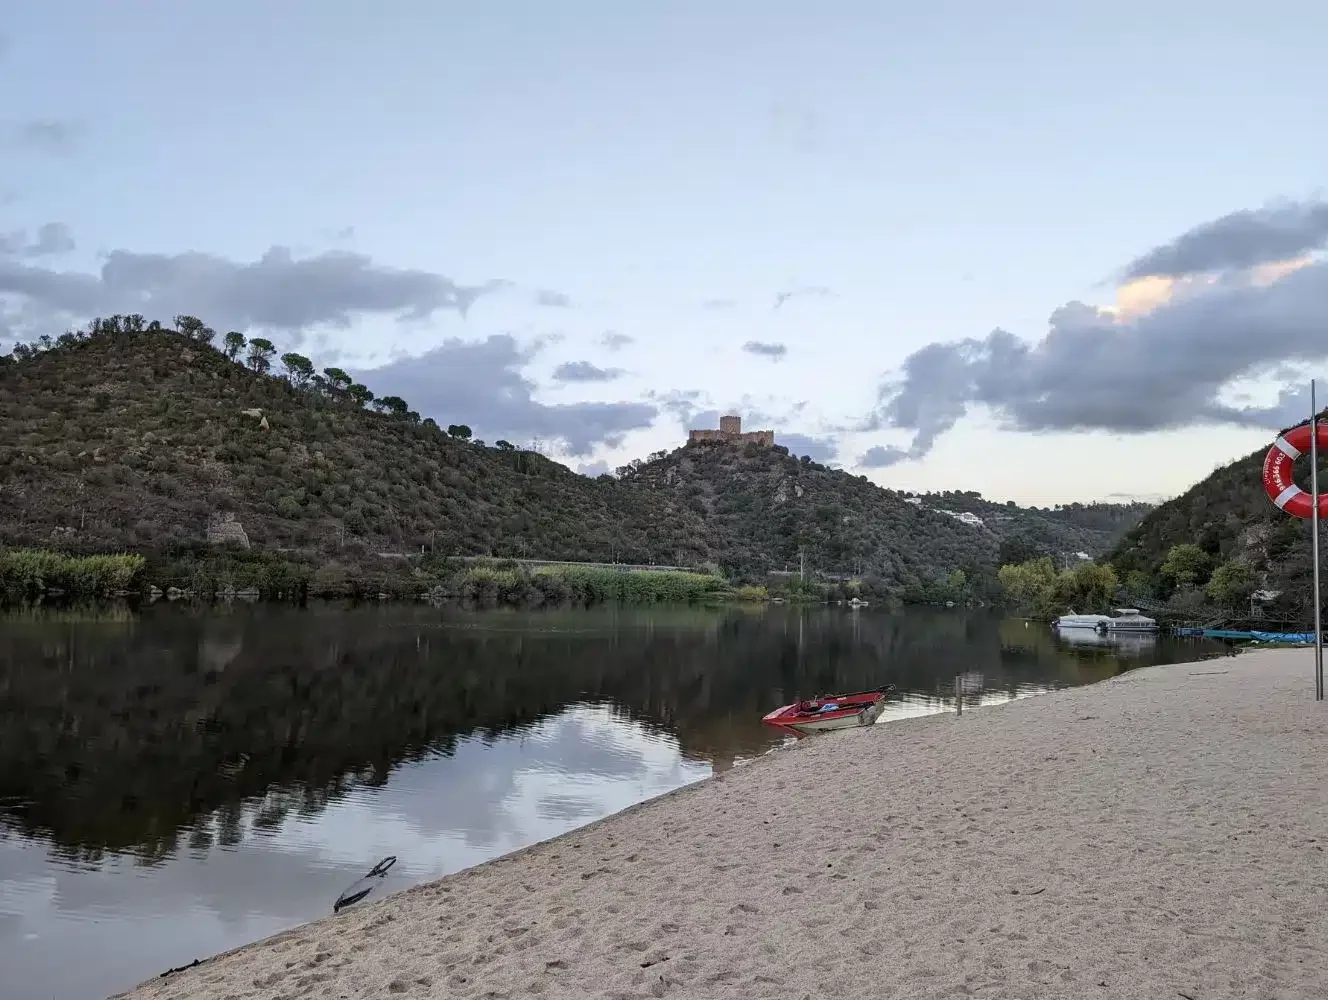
x=32, y=573
x=208, y=573
x=519, y=586
x=203, y=572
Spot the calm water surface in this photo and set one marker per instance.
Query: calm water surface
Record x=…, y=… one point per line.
x=177, y=782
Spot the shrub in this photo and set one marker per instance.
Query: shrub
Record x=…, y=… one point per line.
x=32, y=572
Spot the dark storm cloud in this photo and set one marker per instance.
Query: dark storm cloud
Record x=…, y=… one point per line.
x=1240, y=240
x=584, y=371
x=278, y=291
x=762, y=349
x=480, y=383
x=1160, y=370
x=615, y=341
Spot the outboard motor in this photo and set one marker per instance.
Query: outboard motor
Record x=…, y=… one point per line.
x=364, y=886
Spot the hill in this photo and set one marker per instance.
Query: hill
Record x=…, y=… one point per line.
x=769, y=511
x=1029, y=532
x=142, y=438
x=131, y=436
x=1221, y=542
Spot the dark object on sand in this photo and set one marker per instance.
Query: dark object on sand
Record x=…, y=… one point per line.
x=180, y=968
x=364, y=886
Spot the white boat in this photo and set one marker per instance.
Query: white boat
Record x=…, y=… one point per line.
x=1123, y=620
x=1079, y=621
x=1129, y=620
x=1125, y=642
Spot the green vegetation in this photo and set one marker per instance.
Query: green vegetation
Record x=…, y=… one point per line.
x=585, y=585
x=769, y=512
x=751, y=592
x=1036, y=588
x=26, y=573
x=233, y=466
x=1223, y=548
x=130, y=437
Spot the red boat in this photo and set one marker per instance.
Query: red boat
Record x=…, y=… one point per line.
x=840, y=711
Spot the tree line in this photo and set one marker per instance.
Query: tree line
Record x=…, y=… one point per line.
x=255, y=353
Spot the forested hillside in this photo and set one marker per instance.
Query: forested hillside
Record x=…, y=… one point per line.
x=770, y=511
x=1221, y=542
x=138, y=438
x=128, y=436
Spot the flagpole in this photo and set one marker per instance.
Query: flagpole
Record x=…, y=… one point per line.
x=1314, y=541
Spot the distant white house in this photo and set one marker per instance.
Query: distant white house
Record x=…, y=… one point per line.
x=965, y=516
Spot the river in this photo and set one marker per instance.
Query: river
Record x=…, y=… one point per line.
x=178, y=781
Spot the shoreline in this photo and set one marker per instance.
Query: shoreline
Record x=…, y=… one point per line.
x=1158, y=833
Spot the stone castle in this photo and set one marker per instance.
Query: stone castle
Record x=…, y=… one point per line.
x=731, y=432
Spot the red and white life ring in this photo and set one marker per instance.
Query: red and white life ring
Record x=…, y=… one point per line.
x=1277, y=482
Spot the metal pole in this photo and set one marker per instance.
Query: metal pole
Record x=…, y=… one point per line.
x=1314, y=540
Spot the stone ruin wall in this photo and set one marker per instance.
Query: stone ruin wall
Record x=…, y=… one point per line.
x=764, y=438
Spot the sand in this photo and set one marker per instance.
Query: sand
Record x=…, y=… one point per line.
x=1159, y=835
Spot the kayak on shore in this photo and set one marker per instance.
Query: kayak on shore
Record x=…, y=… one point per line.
x=829, y=712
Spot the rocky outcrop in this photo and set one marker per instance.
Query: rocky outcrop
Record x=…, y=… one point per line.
x=224, y=529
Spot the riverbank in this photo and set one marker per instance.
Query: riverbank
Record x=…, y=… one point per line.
x=205, y=574
x=208, y=575
x=1159, y=834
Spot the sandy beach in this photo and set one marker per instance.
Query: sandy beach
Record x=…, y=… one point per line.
x=1159, y=835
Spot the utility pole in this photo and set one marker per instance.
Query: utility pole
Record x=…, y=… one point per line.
x=1314, y=540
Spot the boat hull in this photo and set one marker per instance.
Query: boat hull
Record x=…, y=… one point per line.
x=853, y=710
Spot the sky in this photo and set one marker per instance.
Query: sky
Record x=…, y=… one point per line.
x=1044, y=251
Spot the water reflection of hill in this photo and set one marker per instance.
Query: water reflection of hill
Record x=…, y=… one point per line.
x=119, y=733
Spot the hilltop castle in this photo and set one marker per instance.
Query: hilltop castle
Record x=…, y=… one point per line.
x=731, y=432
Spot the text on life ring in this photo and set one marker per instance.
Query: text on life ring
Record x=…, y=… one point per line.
x=1277, y=467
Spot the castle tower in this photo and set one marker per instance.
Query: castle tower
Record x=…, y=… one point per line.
x=730, y=426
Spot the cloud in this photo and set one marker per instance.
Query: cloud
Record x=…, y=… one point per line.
x=616, y=341
x=763, y=349
x=593, y=469
x=684, y=405
x=278, y=291
x=1238, y=241
x=584, y=371
x=801, y=291
x=882, y=457
x=1165, y=366
x=693, y=408
x=48, y=135
x=480, y=383
x=717, y=304
x=52, y=240
x=552, y=300
x=818, y=449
